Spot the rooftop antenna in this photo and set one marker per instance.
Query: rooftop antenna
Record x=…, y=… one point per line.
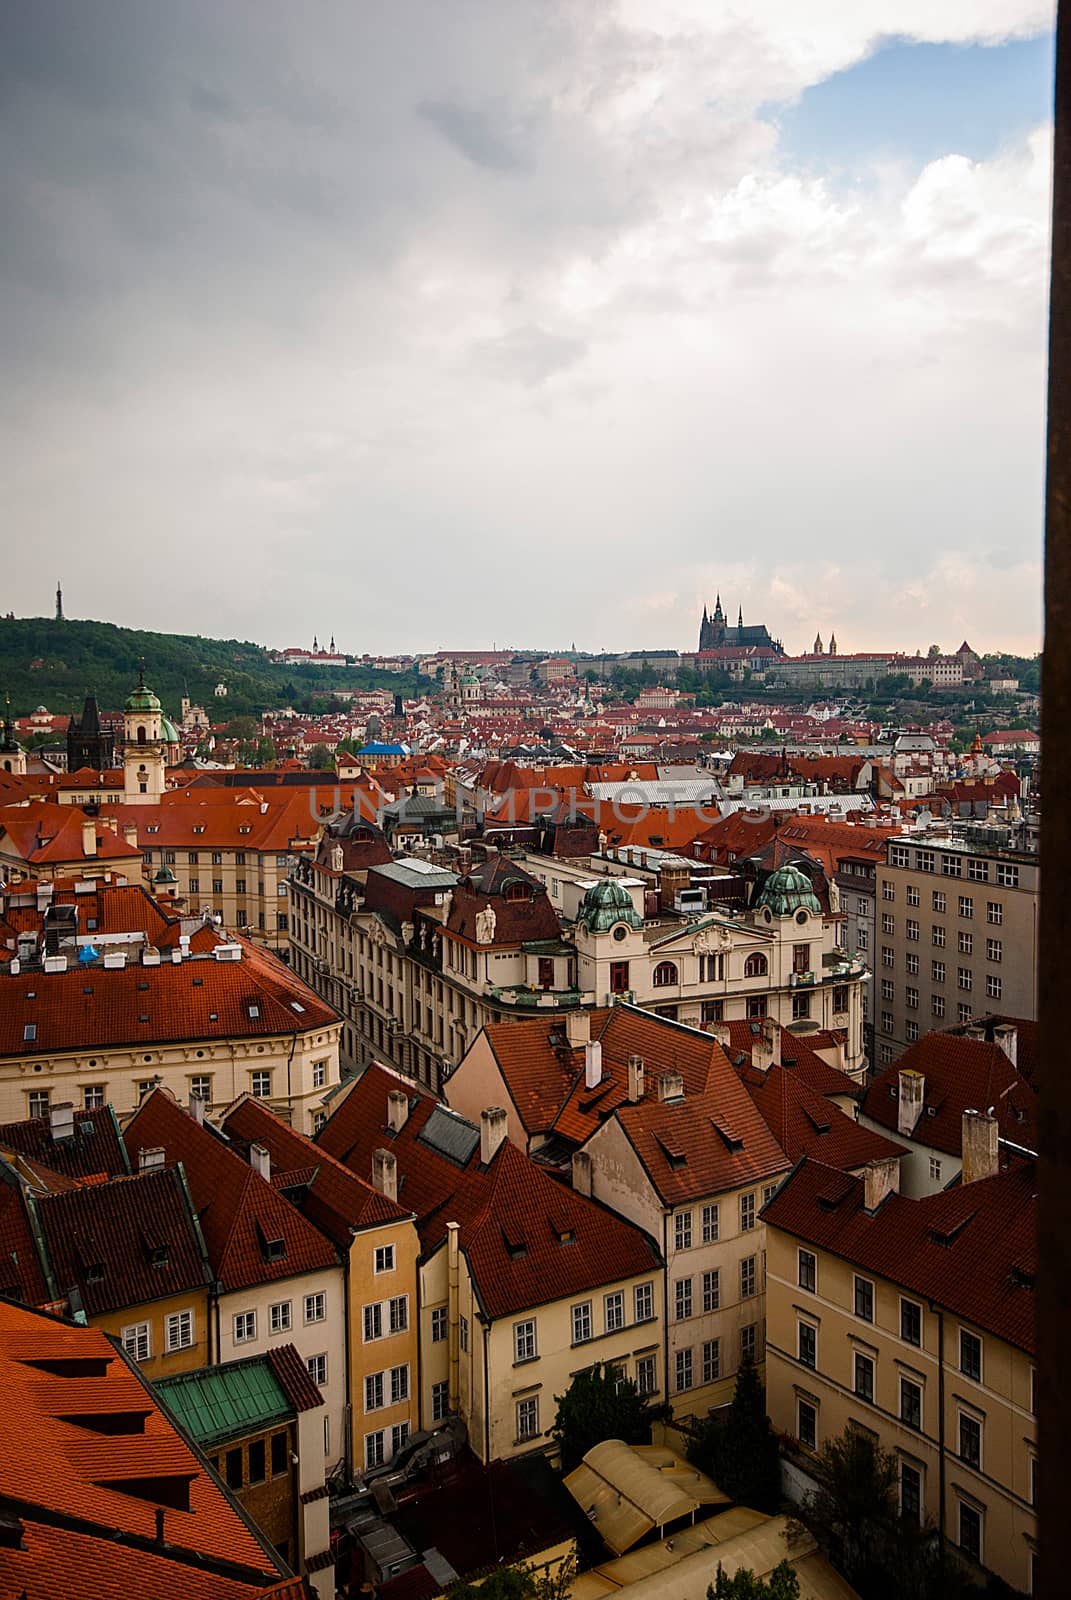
x=59, y=601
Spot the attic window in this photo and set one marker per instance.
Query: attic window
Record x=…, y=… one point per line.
x=295, y=1005
x=143, y=985
x=198, y=983
x=245, y=827
x=514, y=890
x=1021, y=1278
x=213, y=1016
x=144, y=1017
x=157, y=1255
x=91, y=923
x=676, y=1158
x=254, y=1011
x=931, y=1111
x=29, y=1033
x=949, y=1236
x=31, y=994
x=94, y=1273
x=87, y=988
x=731, y=1140
x=153, y=827
x=198, y=827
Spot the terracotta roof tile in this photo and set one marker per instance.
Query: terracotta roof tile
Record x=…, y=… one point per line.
x=971, y=1248
x=252, y=1234
x=528, y=1238
x=960, y=1074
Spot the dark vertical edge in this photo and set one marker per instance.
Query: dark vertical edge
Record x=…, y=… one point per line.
x=1054, y=1172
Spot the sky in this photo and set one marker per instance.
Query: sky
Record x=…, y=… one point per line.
x=527, y=323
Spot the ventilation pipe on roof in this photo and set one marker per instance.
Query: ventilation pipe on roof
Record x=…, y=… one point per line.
x=385, y=1173
x=592, y=1064
x=635, y=1079
x=492, y=1133
x=397, y=1110
x=260, y=1160
x=582, y=1173
x=981, y=1147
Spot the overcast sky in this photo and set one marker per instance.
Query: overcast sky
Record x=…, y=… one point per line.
x=527, y=321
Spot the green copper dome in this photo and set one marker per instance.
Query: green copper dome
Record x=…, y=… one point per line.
x=787, y=890
x=606, y=903
x=142, y=698
x=168, y=731
x=164, y=875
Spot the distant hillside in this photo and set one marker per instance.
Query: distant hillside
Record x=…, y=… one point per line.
x=43, y=662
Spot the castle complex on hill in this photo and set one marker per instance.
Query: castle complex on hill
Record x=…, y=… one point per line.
x=715, y=634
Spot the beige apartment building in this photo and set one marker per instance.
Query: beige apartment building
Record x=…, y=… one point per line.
x=956, y=932
x=914, y=1320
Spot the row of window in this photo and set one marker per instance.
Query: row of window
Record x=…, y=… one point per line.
x=684, y=1299
x=708, y=1369
x=384, y=1443
x=710, y=1221
x=280, y=1317
x=95, y=1095
x=1006, y=873
x=389, y=1387
x=382, y=1318
x=994, y=988
x=994, y=914
x=525, y=1332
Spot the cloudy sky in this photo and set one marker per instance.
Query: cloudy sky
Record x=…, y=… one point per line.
x=527, y=322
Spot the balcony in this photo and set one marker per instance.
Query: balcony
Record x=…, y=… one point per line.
x=525, y=999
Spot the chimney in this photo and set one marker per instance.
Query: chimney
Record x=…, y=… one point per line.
x=492, y=1133
x=1006, y=1034
x=385, y=1173
x=981, y=1150
x=582, y=1174
x=592, y=1064
x=89, y=837
x=61, y=1121
x=880, y=1178
x=719, y=1031
x=766, y=1045
x=130, y=833
x=197, y=1109
x=635, y=1079
x=671, y=1086
x=577, y=1028
x=397, y=1110
x=151, y=1158
x=260, y=1160
x=912, y=1091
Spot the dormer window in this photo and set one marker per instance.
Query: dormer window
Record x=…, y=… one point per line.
x=515, y=891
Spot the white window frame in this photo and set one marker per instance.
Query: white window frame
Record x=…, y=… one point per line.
x=245, y=1327
x=133, y=1335
x=318, y=1303
x=383, y=1259
x=280, y=1317
x=177, y=1324
x=524, y=1341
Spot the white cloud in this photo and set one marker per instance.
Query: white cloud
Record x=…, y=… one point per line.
x=481, y=321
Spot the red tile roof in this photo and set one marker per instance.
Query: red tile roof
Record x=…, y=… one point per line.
x=293, y=1374
x=961, y=1074
x=102, y=1240
x=43, y=833
x=972, y=1249
x=336, y=1200
x=805, y=1123
x=88, y=1492
x=199, y=998
x=239, y=1211
x=528, y=1239
x=96, y=1147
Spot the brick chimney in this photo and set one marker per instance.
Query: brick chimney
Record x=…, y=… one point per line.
x=397, y=1110
x=912, y=1093
x=130, y=833
x=635, y=1079
x=1006, y=1034
x=721, y=1032
x=880, y=1178
x=981, y=1149
x=385, y=1173
x=592, y=1064
x=577, y=1028
x=260, y=1160
x=582, y=1173
x=492, y=1133
x=766, y=1045
x=671, y=1086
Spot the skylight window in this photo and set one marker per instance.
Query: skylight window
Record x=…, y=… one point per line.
x=29, y=1033
x=254, y=1011
x=296, y=1005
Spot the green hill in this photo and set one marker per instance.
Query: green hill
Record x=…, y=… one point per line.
x=43, y=662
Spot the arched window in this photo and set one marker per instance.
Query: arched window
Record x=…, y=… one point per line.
x=664, y=974
x=756, y=966
x=515, y=891
x=141, y=733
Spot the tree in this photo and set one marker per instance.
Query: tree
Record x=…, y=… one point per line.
x=320, y=758
x=518, y=1583
x=740, y=1450
x=243, y=728
x=934, y=650
x=782, y=1584
x=599, y=1404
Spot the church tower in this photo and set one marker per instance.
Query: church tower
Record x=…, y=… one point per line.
x=12, y=755
x=818, y=644
x=144, y=757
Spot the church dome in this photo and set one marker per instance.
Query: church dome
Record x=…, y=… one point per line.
x=787, y=890
x=606, y=903
x=164, y=876
x=142, y=699
x=168, y=731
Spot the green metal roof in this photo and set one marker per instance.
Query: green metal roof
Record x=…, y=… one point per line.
x=606, y=903
x=218, y=1403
